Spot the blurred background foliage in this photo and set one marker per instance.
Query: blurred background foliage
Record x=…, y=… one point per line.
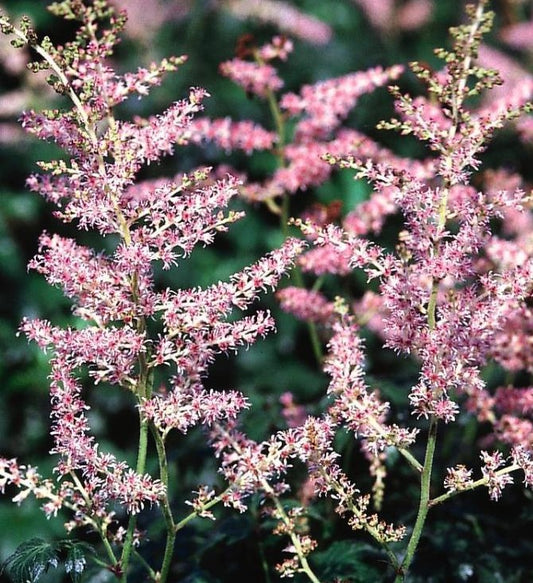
x=469, y=539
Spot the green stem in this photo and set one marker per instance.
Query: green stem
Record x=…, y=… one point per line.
x=424, y=504
x=285, y=212
x=167, y=511
x=143, y=391
x=167, y=556
x=279, y=124
x=316, y=344
x=140, y=468
x=414, y=463
x=153, y=575
x=260, y=547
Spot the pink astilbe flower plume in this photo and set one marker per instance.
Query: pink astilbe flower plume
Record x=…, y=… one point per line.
x=257, y=76
x=443, y=301
x=231, y=135
x=389, y=16
x=306, y=304
x=436, y=265
x=355, y=405
x=285, y=16
x=327, y=103
x=130, y=327
x=317, y=113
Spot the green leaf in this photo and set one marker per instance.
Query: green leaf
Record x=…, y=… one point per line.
x=75, y=560
x=30, y=560
x=349, y=561
x=33, y=558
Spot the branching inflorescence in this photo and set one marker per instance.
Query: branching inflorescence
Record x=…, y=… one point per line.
x=157, y=222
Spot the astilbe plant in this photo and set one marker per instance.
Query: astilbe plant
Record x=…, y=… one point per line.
x=452, y=297
x=129, y=329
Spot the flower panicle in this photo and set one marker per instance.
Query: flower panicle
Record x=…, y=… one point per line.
x=130, y=326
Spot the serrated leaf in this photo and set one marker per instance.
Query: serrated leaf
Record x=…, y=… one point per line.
x=30, y=560
x=75, y=560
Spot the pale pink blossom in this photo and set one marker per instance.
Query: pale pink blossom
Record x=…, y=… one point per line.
x=525, y=129
x=293, y=414
x=283, y=15
x=390, y=15
x=231, y=135
x=380, y=13
x=249, y=466
x=258, y=79
x=458, y=478
x=279, y=48
x=512, y=345
x=522, y=458
x=518, y=35
x=370, y=312
x=496, y=481
x=146, y=17
x=414, y=14
x=514, y=430
x=185, y=407
x=305, y=304
x=326, y=103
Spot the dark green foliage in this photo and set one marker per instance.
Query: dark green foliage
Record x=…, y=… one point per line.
x=474, y=546
x=33, y=558
x=350, y=561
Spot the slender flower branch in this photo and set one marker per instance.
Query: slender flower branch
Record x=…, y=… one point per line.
x=472, y=485
x=203, y=509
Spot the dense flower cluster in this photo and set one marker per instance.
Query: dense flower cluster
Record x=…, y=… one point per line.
x=155, y=222
x=432, y=309
x=318, y=112
x=312, y=443
x=440, y=300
